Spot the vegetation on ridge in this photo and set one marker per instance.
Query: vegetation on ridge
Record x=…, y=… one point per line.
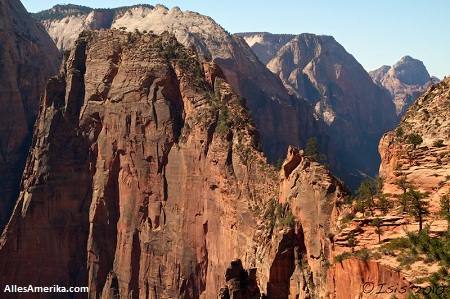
x=60, y=11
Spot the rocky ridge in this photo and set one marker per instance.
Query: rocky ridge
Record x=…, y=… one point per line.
x=357, y=112
x=426, y=163
x=145, y=180
x=266, y=96
x=266, y=45
x=27, y=59
x=417, y=154
x=405, y=81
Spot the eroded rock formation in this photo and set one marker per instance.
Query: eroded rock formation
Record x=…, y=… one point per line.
x=425, y=161
x=27, y=59
x=266, y=45
x=146, y=180
x=355, y=278
x=283, y=119
x=405, y=81
x=357, y=111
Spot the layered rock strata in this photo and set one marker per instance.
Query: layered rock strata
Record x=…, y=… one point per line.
x=357, y=111
x=146, y=180
x=423, y=161
x=283, y=119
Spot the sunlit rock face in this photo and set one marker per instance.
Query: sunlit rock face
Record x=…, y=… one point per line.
x=283, y=119
x=426, y=163
x=405, y=81
x=146, y=180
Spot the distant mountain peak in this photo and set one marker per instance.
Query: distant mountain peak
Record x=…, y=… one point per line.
x=410, y=71
x=404, y=81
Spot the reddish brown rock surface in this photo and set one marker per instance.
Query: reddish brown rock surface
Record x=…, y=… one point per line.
x=145, y=181
x=354, y=278
x=27, y=60
x=282, y=119
x=426, y=164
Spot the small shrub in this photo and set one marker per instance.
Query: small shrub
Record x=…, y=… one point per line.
x=340, y=257
x=363, y=254
x=438, y=143
x=348, y=217
x=349, y=199
x=406, y=260
x=279, y=164
x=399, y=132
x=414, y=139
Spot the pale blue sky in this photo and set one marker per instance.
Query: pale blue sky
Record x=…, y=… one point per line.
x=375, y=32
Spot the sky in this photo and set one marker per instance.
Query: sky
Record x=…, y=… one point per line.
x=376, y=33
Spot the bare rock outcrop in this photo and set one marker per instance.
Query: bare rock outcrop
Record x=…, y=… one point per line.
x=311, y=195
x=418, y=148
x=405, y=81
x=283, y=119
x=27, y=59
x=355, y=278
x=266, y=45
x=357, y=111
x=146, y=180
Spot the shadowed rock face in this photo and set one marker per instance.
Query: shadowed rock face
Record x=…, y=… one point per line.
x=357, y=112
x=282, y=119
x=405, y=81
x=144, y=181
x=27, y=59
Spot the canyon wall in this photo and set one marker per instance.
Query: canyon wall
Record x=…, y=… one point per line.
x=27, y=59
x=283, y=119
x=146, y=180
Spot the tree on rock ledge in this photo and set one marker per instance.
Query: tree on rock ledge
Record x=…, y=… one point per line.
x=312, y=151
x=417, y=206
x=414, y=139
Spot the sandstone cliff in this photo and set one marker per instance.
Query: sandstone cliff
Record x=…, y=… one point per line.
x=266, y=45
x=355, y=109
x=426, y=163
x=283, y=119
x=391, y=254
x=145, y=180
x=405, y=81
x=27, y=59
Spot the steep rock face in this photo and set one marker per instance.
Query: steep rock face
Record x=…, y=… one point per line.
x=354, y=278
x=27, y=59
x=311, y=194
x=266, y=45
x=405, y=81
x=283, y=119
x=144, y=181
x=356, y=110
x=427, y=163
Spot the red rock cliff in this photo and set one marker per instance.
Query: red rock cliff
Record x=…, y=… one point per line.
x=27, y=59
x=145, y=180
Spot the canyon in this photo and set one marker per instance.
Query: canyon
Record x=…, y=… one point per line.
x=151, y=171
x=265, y=94
x=162, y=182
